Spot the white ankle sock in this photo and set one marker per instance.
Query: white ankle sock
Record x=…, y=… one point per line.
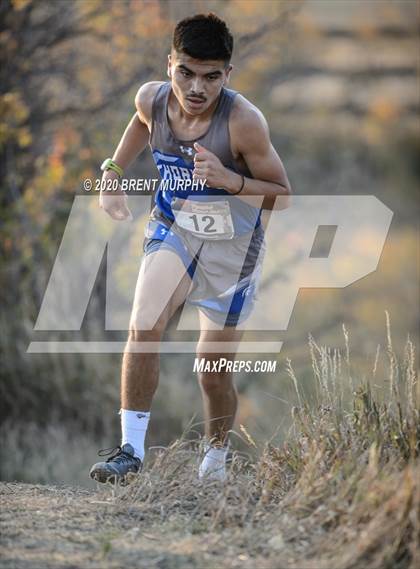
x=133, y=429
x=213, y=465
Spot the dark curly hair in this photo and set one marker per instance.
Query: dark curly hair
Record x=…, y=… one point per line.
x=203, y=36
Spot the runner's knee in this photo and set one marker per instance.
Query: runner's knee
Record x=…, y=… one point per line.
x=144, y=336
x=144, y=330
x=144, y=324
x=214, y=384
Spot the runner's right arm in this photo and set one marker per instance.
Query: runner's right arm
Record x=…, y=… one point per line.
x=132, y=143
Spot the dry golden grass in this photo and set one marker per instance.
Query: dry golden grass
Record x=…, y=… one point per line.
x=342, y=492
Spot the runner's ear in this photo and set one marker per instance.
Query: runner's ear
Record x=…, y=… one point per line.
x=228, y=72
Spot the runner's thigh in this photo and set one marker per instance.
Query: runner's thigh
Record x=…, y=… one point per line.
x=162, y=286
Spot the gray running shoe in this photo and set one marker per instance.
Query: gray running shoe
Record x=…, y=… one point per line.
x=115, y=469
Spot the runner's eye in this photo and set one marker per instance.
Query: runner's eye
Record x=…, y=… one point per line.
x=185, y=73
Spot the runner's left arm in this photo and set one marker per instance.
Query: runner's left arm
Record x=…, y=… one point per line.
x=250, y=139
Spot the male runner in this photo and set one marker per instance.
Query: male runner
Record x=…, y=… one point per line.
x=204, y=241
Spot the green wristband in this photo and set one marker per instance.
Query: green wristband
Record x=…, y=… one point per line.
x=109, y=164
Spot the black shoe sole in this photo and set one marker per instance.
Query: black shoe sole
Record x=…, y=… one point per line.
x=102, y=476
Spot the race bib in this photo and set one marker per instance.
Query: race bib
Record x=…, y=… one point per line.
x=208, y=220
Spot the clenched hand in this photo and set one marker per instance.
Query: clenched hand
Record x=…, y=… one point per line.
x=208, y=167
x=114, y=202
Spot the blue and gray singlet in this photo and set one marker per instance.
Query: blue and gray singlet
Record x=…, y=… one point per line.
x=175, y=160
x=218, y=236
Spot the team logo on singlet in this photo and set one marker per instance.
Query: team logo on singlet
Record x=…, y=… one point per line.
x=187, y=150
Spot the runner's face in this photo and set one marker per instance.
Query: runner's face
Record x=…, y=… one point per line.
x=196, y=83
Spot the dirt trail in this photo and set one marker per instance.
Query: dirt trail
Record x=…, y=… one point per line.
x=168, y=519
x=63, y=527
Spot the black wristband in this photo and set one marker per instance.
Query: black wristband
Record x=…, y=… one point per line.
x=241, y=188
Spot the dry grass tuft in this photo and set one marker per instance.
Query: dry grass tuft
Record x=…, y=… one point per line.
x=343, y=489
